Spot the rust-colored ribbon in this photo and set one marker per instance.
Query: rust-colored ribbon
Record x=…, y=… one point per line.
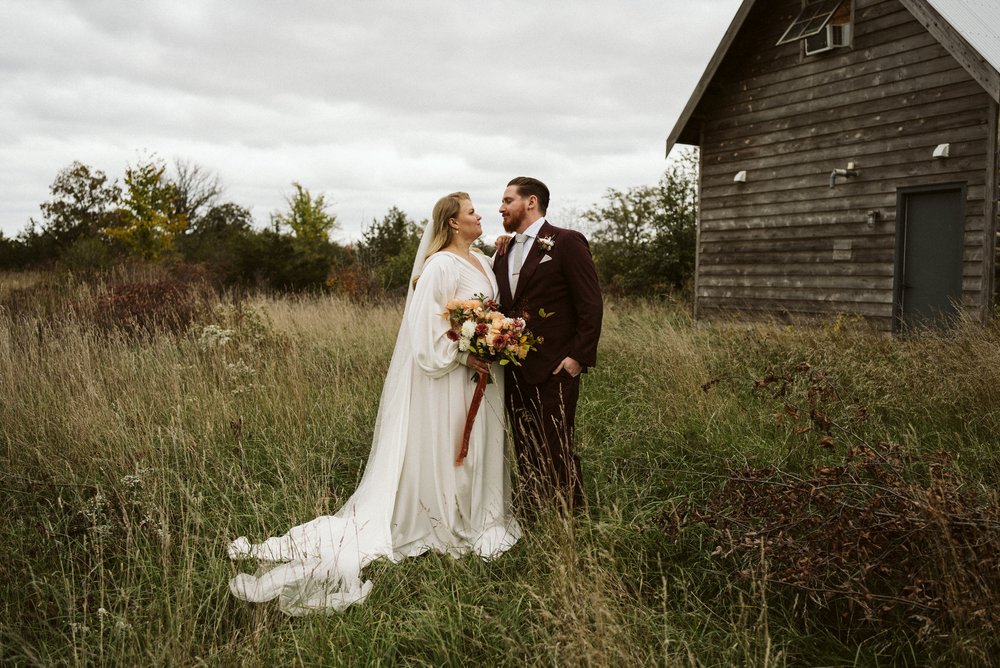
x=477, y=398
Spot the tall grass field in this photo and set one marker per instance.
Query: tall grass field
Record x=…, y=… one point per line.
x=759, y=495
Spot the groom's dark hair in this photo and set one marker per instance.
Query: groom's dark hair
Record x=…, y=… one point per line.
x=527, y=186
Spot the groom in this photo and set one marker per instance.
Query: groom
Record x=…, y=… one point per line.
x=548, y=275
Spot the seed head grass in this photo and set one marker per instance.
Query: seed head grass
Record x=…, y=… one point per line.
x=133, y=457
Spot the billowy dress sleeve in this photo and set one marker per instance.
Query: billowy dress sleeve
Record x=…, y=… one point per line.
x=434, y=353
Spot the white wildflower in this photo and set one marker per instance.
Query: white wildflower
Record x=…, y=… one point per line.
x=213, y=336
x=97, y=513
x=131, y=483
x=240, y=369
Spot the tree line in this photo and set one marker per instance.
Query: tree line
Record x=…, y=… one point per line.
x=643, y=238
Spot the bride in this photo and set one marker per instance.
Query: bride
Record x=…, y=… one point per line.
x=412, y=497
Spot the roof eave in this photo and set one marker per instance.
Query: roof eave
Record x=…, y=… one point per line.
x=686, y=130
x=959, y=48
x=681, y=132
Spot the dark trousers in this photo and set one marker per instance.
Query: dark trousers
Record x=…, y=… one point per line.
x=542, y=420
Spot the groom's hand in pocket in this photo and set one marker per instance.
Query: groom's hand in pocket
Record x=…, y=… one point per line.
x=570, y=366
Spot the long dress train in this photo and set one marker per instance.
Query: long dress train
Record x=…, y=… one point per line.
x=412, y=498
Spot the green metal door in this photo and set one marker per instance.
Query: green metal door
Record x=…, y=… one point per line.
x=929, y=261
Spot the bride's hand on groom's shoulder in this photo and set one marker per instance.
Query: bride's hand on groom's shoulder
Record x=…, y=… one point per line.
x=501, y=243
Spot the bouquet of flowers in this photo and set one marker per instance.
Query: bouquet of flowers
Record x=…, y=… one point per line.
x=482, y=330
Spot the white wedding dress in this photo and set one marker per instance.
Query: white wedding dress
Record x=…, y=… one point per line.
x=412, y=497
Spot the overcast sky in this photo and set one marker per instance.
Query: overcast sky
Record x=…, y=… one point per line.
x=371, y=103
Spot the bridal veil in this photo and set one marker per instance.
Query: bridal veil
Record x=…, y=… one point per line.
x=320, y=562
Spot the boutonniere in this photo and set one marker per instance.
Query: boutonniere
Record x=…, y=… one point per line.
x=545, y=244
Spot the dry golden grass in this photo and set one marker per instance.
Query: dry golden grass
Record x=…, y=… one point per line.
x=130, y=461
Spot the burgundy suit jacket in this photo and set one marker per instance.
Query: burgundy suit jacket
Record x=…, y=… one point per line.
x=563, y=282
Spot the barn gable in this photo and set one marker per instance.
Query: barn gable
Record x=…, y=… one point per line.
x=828, y=179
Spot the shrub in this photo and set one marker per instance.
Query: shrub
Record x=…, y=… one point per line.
x=148, y=308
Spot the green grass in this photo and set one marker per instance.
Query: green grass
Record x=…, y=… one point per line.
x=129, y=463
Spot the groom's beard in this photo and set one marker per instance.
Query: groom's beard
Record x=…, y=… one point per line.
x=511, y=223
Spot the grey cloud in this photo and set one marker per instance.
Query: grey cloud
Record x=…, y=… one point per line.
x=376, y=103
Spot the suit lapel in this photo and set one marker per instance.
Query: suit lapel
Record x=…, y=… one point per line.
x=534, y=258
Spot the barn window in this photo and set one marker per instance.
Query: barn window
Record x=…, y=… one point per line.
x=822, y=25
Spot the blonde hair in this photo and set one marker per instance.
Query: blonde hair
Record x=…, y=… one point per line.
x=446, y=209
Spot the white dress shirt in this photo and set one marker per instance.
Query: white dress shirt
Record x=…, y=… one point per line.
x=530, y=233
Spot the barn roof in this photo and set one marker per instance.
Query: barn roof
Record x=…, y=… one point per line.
x=978, y=21
x=968, y=29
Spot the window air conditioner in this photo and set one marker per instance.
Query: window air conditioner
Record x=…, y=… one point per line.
x=830, y=37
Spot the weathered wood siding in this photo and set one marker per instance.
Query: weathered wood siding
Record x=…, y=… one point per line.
x=784, y=243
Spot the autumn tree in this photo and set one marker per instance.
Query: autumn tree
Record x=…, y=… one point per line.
x=83, y=202
x=297, y=253
x=150, y=220
x=307, y=216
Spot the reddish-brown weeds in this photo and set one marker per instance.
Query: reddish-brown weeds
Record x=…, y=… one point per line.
x=147, y=308
x=164, y=299
x=881, y=536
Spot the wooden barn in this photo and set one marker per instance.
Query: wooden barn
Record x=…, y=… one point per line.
x=849, y=161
